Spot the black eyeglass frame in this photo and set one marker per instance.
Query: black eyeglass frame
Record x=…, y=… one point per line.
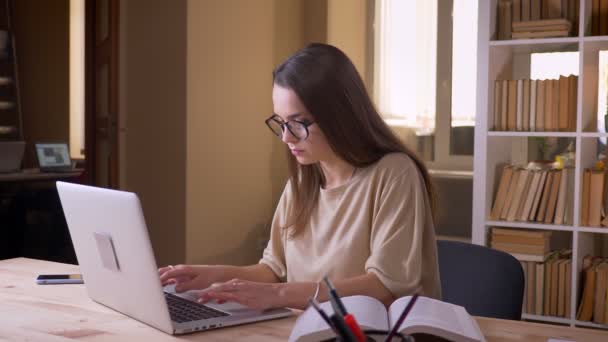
x=284, y=124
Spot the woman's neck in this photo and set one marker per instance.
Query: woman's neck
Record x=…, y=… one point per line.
x=336, y=173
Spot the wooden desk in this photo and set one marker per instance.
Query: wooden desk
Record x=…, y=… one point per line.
x=64, y=313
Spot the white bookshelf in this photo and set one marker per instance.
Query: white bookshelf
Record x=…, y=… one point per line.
x=510, y=59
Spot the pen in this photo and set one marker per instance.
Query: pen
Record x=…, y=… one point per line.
x=336, y=303
x=323, y=315
x=349, y=320
x=352, y=324
x=401, y=318
x=343, y=331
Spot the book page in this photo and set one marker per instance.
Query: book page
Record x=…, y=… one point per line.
x=369, y=313
x=435, y=317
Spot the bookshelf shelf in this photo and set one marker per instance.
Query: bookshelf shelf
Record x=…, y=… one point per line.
x=594, y=135
x=530, y=225
x=532, y=134
x=595, y=39
x=559, y=320
x=539, y=41
x=507, y=60
x=590, y=324
x=593, y=230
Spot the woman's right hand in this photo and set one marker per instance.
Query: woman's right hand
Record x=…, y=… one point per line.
x=188, y=277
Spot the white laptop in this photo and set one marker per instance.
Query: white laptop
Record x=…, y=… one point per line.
x=11, y=155
x=116, y=260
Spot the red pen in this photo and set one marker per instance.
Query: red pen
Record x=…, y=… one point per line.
x=352, y=324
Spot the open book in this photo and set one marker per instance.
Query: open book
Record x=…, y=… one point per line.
x=428, y=316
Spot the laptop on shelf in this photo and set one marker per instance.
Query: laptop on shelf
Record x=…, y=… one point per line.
x=53, y=157
x=113, y=248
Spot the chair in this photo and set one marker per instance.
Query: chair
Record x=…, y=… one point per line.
x=486, y=282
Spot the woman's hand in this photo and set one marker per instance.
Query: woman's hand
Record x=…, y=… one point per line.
x=258, y=296
x=188, y=277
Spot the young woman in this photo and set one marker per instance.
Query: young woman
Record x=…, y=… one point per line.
x=358, y=206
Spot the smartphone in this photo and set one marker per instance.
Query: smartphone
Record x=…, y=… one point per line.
x=45, y=279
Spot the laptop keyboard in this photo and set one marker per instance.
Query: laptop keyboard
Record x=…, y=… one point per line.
x=182, y=310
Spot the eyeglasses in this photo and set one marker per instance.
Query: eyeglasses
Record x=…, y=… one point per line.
x=299, y=129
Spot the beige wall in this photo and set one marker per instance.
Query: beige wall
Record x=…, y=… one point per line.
x=152, y=105
x=233, y=162
x=41, y=38
x=347, y=28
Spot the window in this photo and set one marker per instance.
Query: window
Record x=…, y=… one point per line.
x=77, y=32
x=425, y=55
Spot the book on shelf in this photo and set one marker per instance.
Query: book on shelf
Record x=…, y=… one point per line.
x=544, y=199
x=522, y=184
x=535, y=105
x=603, y=18
x=594, y=300
x=427, y=317
x=585, y=198
x=539, y=282
x=516, y=14
x=552, y=9
x=512, y=106
x=540, y=34
x=596, y=197
x=555, y=184
x=540, y=105
x=497, y=104
x=520, y=106
x=595, y=17
x=525, y=124
x=530, y=283
x=541, y=25
x=504, y=19
x=533, y=94
x=549, y=104
x=501, y=194
x=525, y=10
x=535, y=6
x=601, y=286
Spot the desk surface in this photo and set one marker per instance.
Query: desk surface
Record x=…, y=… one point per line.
x=64, y=313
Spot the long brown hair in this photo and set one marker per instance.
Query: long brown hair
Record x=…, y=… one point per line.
x=331, y=89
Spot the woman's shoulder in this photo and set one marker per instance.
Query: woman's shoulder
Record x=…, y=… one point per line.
x=394, y=164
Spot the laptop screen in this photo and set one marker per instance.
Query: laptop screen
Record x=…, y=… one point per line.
x=53, y=155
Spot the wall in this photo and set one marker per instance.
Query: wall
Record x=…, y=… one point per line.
x=41, y=38
x=234, y=164
x=347, y=28
x=152, y=107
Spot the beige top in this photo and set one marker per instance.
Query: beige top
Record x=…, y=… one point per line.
x=380, y=221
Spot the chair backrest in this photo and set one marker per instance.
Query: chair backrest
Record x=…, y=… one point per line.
x=484, y=281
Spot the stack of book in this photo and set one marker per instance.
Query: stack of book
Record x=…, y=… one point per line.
x=535, y=105
x=543, y=195
x=546, y=28
x=524, y=245
x=537, y=18
x=593, y=199
x=593, y=304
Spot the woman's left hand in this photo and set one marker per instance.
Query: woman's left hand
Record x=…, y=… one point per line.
x=258, y=296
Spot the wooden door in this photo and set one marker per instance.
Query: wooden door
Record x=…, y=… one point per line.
x=102, y=93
